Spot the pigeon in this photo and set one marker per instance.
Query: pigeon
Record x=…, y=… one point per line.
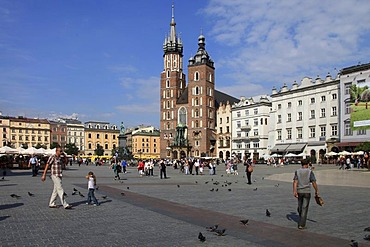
x=354, y=243
x=263, y=178
x=81, y=194
x=122, y=194
x=229, y=189
x=2, y=178
x=216, y=183
x=74, y=193
x=128, y=188
x=222, y=175
x=206, y=182
x=367, y=229
x=276, y=185
x=196, y=182
x=220, y=232
x=74, y=189
x=212, y=228
x=30, y=194
x=15, y=196
x=104, y=197
x=255, y=189
x=201, y=237
x=217, y=189
x=244, y=222
x=212, y=189
x=367, y=237
x=268, y=214
x=178, y=186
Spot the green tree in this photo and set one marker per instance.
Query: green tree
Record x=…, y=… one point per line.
x=70, y=148
x=24, y=145
x=38, y=145
x=54, y=145
x=356, y=92
x=99, y=150
x=365, y=146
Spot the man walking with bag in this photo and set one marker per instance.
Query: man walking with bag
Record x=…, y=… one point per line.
x=302, y=180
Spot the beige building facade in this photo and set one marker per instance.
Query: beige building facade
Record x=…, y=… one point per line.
x=103, y=134
x=146, y=143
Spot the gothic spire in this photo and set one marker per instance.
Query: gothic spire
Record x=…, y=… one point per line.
x=173, y=43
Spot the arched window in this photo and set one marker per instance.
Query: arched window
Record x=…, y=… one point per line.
x=196, y=124
x=167, y=83
x=168, y=93
x=168, y=104
x=168, y=115
x=210, y=77
x=196, y=90
x=196, y=113
x=196, y=101
x=182, y=115
x=196, y=76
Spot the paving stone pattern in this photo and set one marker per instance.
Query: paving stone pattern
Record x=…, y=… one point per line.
x=171, y=212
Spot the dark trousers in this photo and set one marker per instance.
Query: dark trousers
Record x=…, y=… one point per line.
x=303, y=203
x=249, y=177
x=163, y=173
x=34, y=169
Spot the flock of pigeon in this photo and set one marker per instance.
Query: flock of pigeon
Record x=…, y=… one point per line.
x=217, y=231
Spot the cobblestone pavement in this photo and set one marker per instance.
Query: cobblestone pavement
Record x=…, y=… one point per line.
x=172, y=212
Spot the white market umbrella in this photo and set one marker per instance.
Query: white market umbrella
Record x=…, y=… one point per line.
x=359, y=153
x=275, y=155
x=290, y=155
x=8, y=150
x=331, y=154
x=32, y=151
x=345, y=153
x=50, y=151
x=301, y=155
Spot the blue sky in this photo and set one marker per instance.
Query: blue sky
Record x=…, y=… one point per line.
x=101, y=60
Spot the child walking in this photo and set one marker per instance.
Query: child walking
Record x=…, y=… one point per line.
x=91, y=187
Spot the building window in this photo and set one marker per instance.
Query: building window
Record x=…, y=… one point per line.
x=347, y=130
x=300, y=102
x=289, y=134
x=220, y=130
x=322, y=112
x=106, y=136
x=238, y=134
x=361, y=132
x=312, y=132
x=312, y=114
x=279, y=106
x=323, y=98
x=255, y=132
x=279, y=134
x=289, y=119
x=227, y=119
x=312, y=100
x=334, y=130
x=227, y=129
x=256, y=145
x=238, y=114
x=238, y=124
x=334, y=111
x=347, y=88
x=300, y=116
x=299, y=133
x=348, y=108
x=196, y=76
x=334, y=96
x=220, y=120
x=255, y=111
x=323, y=131
x=279, y=119
x=247, y=112
x=255, y=121
x=289, y=104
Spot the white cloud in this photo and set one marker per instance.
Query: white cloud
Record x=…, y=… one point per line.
x=276, y=41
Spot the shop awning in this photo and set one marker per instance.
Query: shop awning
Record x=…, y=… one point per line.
x=296, y=147
x=279, y=148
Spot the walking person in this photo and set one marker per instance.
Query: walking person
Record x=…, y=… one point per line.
x=303, y=177
x=162, y=167
x=248, y=170
x=33, y=163
x=56, y=162
x=91, y=185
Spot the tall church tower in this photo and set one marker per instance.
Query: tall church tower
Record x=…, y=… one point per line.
x=173, y=83
x=201, y=102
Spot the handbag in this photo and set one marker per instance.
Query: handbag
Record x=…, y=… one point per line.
x=319, y=200
x=250, y=168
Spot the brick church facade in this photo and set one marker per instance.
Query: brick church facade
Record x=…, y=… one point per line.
x=188, y=111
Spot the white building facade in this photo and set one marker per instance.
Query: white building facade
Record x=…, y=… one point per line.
x=359, y=76
x=305, y=118
x=250, y=127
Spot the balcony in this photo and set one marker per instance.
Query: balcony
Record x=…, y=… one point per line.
x=241, y=139
x=245, y=127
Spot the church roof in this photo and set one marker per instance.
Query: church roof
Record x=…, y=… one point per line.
x=219, y=97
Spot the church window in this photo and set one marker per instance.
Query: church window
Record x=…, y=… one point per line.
x=210, y=77
x=196, y=124
x=168, y=93
x=168, y=104
x=196, y=90
x=168, y=82
x=196, y=101
x=182, y=115
x=168, y=74
x=196, y=76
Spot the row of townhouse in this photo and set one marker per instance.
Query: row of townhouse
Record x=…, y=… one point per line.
x=310, y=118
x=31, y=132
